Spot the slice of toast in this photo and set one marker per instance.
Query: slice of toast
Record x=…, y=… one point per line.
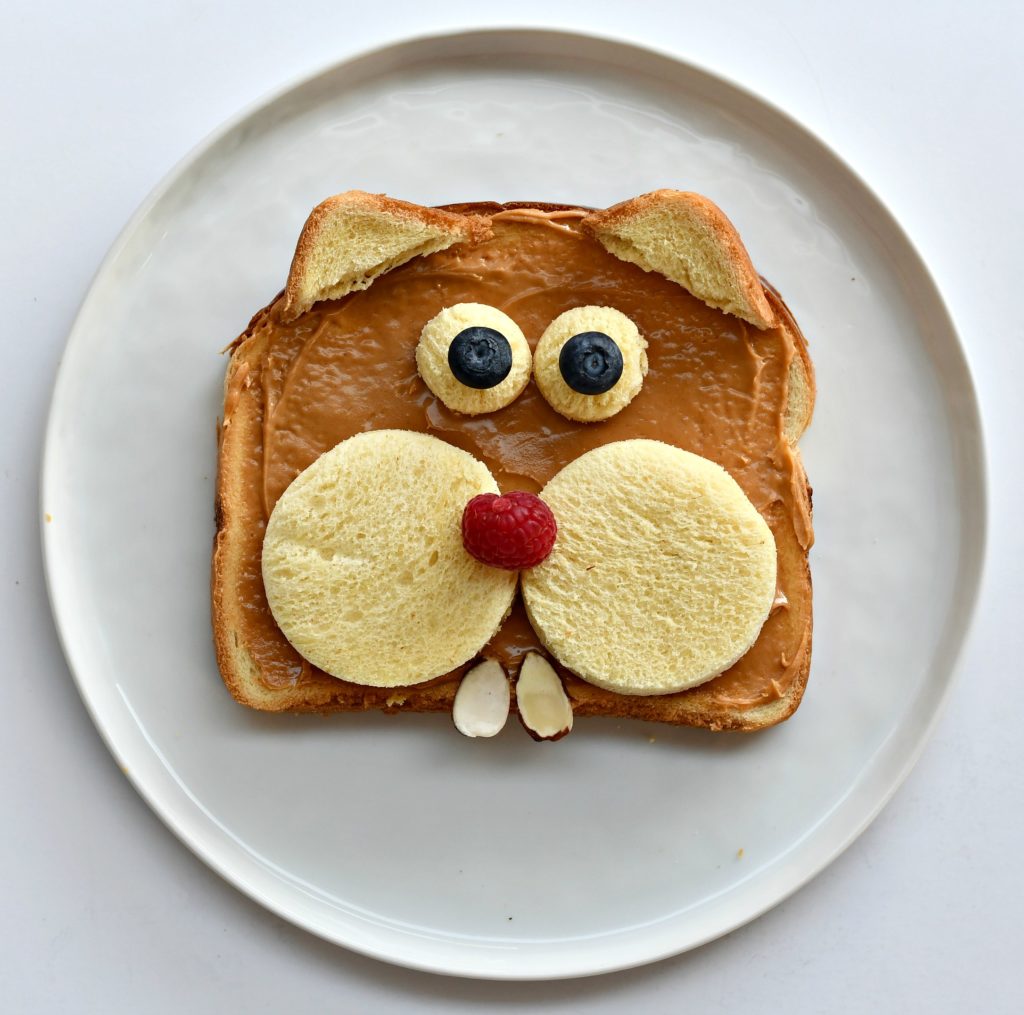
x=280, y=679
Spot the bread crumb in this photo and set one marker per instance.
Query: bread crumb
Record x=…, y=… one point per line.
x=739, y=853
x=48, y=517
x=651, y=740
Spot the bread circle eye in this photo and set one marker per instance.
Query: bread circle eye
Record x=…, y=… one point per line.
x=590, y=363
x=474, y=358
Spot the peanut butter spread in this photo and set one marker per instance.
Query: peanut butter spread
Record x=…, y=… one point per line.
x=716, y=386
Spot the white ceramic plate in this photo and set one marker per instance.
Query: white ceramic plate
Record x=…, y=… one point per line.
x=395, y=836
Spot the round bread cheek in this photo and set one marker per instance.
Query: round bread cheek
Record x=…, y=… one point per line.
x=662, y=574
x=575, y=405
x=432, y=358
x=363, y=563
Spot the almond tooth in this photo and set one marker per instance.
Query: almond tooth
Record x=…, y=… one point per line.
x=482, y=701
x=544, y=707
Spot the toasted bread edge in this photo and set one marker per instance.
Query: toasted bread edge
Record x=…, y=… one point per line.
x=697, y=220
x=439, y=230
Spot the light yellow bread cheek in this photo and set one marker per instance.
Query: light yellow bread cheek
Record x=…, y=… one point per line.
x=548, y=374
x=432, y=358
x=662, y=574
x=364, y=567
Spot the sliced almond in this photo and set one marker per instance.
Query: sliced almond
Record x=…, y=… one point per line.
x=542, y=702
x=482, y=701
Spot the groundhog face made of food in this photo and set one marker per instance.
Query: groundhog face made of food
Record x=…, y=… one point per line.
x=624, y=370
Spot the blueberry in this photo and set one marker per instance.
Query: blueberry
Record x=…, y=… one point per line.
x=591, y=363
x=480, y=357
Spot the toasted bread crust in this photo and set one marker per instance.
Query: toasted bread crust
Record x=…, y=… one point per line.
x=451, y=227
x=241, y=431
x=604, y=224
x=802, y=389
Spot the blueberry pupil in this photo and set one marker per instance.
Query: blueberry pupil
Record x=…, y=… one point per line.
x=591, y=363
x=480, y=357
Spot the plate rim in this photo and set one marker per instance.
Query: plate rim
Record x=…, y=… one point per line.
x=964, y=613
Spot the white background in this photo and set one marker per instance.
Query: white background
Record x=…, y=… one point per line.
x=103, y=910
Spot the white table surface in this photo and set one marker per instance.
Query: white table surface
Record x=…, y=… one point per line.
x=105, y=911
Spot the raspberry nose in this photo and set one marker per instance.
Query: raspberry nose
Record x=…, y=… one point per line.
x=512, y=531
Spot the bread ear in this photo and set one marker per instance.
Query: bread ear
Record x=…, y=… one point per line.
x=352, y=238
x=688, y=239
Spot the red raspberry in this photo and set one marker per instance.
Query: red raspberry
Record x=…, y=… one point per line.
x=513, y=531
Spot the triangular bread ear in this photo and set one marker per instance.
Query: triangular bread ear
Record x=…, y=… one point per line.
x=352, y=238
x=688, y=239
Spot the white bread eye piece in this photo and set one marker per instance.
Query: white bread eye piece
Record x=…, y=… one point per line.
x=434, y=358
x=689, y=240
x=662, y=574
x=553, y=367
x=364, y=567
